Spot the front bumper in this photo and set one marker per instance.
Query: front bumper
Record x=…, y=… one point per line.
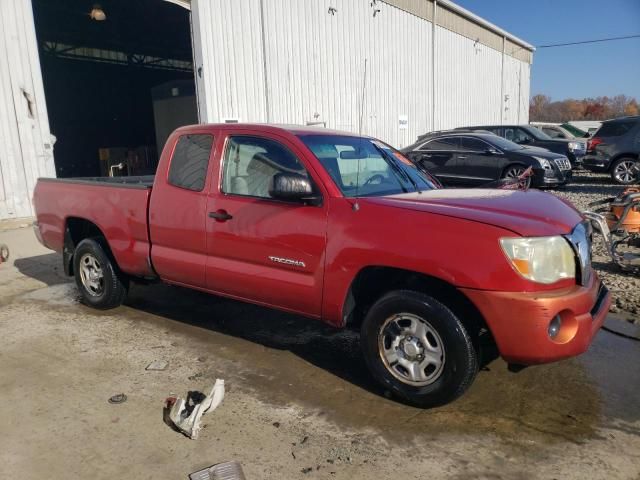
x=550, y=178
x=519, y=322
x=576, y=157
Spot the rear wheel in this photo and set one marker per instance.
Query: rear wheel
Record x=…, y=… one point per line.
x=623, y=171
x=417, y=348
x=513, y=172
x=97, y=276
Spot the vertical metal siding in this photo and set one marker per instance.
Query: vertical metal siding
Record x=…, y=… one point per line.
x=26, y=152
x=516, y=91
x=316, y=67
x=468, y=76
x=228, y=60
x=311, y=68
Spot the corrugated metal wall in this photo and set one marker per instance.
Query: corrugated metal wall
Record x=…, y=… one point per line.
x=26, y=150
x=468, y=77
x=311, y=68
x=352, y=70
x=516, y=91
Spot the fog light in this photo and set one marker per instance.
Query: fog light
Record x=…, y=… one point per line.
x=554, y=327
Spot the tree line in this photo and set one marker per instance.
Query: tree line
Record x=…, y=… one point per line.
x=543, y=109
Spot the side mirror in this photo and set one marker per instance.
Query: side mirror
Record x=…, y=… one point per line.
x=293, y=187
x=525, y=140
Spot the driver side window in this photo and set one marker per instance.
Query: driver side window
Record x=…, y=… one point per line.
x=517, y=135
x=251, y=162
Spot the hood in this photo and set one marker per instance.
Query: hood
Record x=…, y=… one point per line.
x=562, y=141
x=537, y=151
x=527, y=213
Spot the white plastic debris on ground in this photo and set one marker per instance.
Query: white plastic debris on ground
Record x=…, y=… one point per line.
x=187, y=414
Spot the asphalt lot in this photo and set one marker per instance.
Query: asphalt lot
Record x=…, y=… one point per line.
x=287, y=379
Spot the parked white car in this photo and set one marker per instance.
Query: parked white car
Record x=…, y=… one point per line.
x=554, y=130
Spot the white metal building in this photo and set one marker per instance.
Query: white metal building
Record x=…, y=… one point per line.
x=393, y=69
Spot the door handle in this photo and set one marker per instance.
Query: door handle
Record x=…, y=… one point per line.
x=220, y=215
x=462, y=156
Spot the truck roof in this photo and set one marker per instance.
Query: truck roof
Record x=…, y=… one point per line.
x=273, y=127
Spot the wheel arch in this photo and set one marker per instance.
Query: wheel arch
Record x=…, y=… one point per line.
x=372, y=282
x=513, y=163
x=632, y=155
x=77, y=229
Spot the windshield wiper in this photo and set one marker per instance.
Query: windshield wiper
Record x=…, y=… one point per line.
x=398, y=169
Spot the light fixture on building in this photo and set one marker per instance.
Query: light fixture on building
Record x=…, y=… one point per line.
x=97, y=14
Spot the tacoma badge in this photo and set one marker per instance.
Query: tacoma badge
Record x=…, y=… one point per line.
x=287, y=261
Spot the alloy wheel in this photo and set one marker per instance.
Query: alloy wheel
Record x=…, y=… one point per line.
x=91, y=275
x=411, y=349
x=624, y=172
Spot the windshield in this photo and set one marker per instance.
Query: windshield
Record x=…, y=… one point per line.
x=363, y=167
x=535, y=133
x=503, y=143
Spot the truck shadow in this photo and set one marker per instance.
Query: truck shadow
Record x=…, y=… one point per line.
x=541, y=401
x=332, y=349
x=44, y=268
x=287, y=358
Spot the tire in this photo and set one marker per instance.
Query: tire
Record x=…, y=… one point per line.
x=622, y=171
x=514, y=171
x=97, y=276
x=391, y=318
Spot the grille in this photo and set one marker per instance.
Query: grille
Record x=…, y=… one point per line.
x=580, y=240
x=563, y=163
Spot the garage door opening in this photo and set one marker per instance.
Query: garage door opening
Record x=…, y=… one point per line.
x=118, y=78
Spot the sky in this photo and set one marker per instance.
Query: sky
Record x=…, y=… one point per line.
x=579, y=71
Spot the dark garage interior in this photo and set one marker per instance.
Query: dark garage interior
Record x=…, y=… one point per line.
x=118, y=77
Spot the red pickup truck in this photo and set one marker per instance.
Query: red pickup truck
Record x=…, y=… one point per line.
x=345, y=229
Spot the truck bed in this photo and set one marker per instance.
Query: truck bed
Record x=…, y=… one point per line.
x=141, y=181
x=117, y=206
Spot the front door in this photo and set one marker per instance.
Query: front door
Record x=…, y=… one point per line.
x=478, y=161
x=260, y=248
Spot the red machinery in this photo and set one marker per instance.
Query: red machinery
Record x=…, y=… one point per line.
x=619, y=224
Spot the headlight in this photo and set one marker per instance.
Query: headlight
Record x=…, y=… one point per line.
x=544, y=163
x=574, y=146
x=541, y=259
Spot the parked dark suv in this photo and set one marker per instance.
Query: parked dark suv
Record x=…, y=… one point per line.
x=472, y=158
x=615, y=148
x=573, y=149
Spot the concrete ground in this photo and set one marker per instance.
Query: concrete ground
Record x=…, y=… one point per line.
x=299, y=403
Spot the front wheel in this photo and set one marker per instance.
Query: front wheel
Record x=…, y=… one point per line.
x=623, y=171
x=97, y=276
x=417, y=348
x=514, y=172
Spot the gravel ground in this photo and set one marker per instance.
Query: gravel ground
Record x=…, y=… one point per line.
x=585, y=188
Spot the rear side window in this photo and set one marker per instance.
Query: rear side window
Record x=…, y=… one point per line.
x=190, y=160
x=494, y=130
x=446, y=143
x=614, y=129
